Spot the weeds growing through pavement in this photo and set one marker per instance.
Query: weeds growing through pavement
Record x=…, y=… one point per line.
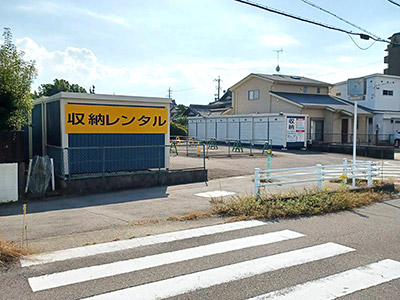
x=10, y=251
x=190, y=216
x=306, y=203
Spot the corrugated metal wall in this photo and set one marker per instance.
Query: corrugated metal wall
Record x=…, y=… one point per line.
x=53, y=126
x=37, y=135
x=116, y=159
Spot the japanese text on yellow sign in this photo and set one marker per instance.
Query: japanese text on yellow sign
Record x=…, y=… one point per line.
x=115, y=119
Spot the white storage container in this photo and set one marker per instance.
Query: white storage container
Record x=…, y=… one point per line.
x=233, y=128
x=260, y=130
x=246, y=129
x=282, y=130
x=221, y=129
x=192, y=128
x=201, y=130
x=211, y=129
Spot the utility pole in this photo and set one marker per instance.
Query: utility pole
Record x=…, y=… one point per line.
x=169, y=93
x=278, y=68
x=218, y=80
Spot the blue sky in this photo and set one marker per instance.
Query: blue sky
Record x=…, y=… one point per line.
x=144, y=47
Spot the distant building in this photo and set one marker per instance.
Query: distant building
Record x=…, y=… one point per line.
x=330, y=119
x=382, y=99
x=196, y=110
x=393, y=57
x=219, y=107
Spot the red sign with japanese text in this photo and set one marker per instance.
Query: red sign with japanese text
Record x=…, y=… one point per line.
x=115, y=119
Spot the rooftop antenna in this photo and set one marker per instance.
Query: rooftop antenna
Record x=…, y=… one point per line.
x=278, y=68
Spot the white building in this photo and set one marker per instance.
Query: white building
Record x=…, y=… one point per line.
x=382, y=98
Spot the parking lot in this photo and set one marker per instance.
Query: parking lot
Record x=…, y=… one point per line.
x=219, y=165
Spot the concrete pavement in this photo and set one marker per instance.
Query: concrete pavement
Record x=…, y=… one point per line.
x=66, y=216
x=322, y=257
x=117, y=211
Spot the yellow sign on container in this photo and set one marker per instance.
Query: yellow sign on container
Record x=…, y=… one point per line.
x=115, y=119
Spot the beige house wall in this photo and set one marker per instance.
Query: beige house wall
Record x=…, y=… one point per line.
x=279, y=105
x=271, y=104
x=362, y=128
x=241, y=104
x=267, y=103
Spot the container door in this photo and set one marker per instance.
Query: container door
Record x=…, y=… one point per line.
x=221, y=130
x=260, y=130
x=211, y=129
x=192, y=128
x=233, y=129
x=201, y=130
x=277, y=131
x=246, y=130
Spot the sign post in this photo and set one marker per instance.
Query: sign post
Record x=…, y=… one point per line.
x=354, y=141
x=356, y=92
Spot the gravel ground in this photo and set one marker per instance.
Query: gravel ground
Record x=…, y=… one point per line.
x=220, y=166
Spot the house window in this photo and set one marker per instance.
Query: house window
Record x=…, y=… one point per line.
x=319, y=90
x=338, y=94
x=305, y=89
x=254, y=94
x=387, y=93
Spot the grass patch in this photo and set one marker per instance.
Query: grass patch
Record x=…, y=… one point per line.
x=10, y=252
x=306, y=203
x=190, y=216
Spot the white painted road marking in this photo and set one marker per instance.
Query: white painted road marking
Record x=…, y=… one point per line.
x=215, y=194
x=204, y=279
x=341, y=284
x=90, y=273
x=138, y=242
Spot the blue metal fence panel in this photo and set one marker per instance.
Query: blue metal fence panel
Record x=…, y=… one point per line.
x=120, y=159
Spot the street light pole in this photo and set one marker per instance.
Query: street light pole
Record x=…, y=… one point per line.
x=354, y=141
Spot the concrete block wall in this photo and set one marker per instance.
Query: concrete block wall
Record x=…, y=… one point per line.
x=8, y=182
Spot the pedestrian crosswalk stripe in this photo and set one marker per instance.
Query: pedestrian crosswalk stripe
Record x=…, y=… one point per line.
x=341, y=284
x=106, y=270
x=204, y=279
x=129, y=244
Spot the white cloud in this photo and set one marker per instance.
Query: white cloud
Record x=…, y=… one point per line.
x=109, y=18
x=346, y=59
x=42, y=7
x=278, y=40
x=50, y=8
x=82, y=66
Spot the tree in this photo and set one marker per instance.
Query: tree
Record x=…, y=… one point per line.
x=177, y=129
x=180, y=118
x=16, y=77
x=58, y=85
x=181, y=109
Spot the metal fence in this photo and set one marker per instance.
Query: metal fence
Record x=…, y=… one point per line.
x=84, y=162
x=317, y=174
x=218, y=148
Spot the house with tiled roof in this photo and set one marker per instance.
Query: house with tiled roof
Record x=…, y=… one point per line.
x=329, y=118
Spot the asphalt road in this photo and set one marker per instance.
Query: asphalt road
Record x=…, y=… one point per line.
x=322, y=257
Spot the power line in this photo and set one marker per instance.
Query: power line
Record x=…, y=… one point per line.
x=395, y=3
x=188, y=89
x=342, y=19
x=359, y=47
x=279, y=12
x=176, y=91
